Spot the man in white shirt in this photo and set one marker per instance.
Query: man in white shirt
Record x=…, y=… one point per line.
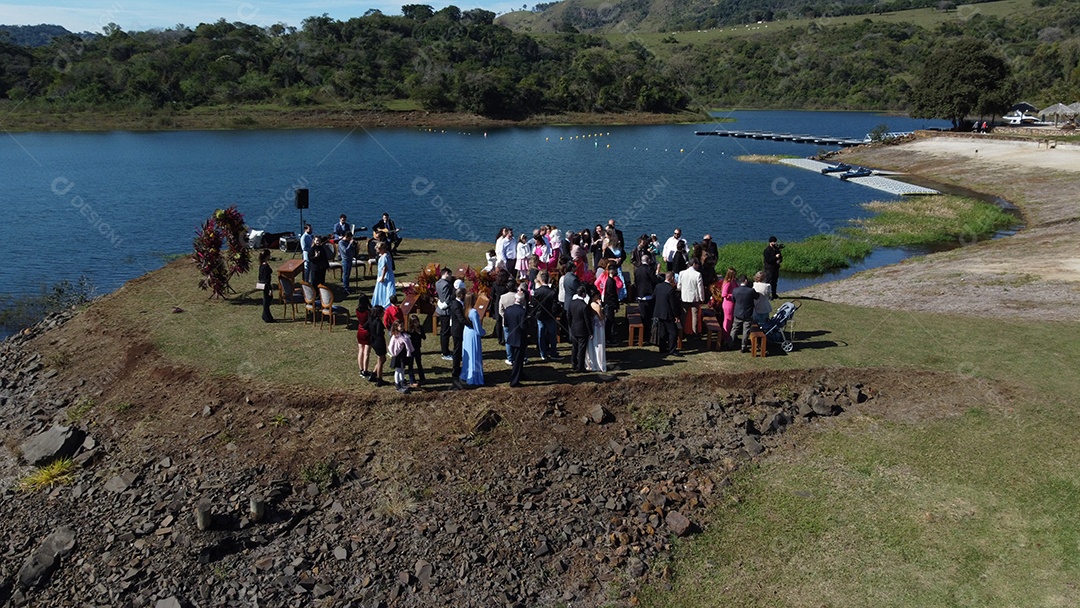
x=692, y=292
x=671, y=245
x=500, y=249
x=307, y=240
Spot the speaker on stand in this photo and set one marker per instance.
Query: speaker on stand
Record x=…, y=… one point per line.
x=301, y=204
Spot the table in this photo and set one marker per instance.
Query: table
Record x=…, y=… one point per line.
x=290, y=268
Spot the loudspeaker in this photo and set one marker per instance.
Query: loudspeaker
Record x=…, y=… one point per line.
x=301, y=198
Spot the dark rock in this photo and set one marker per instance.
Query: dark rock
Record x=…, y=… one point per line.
x=778, y=423
x=423, y=571
x=121, y=482
x=487, y=422
x=678, y=523
x=856, y=394
x=40, y=565
x=600, y=415
x=57, y=442
x=321, y=590
x=636, y=567
x=821, y=406
x=752, y=445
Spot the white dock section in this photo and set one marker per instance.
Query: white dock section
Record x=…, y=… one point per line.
x=878, y=182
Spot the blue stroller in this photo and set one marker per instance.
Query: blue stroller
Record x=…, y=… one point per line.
x=782, y=326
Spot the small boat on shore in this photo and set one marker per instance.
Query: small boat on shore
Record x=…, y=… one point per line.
x=839, y=167
x=856, y=172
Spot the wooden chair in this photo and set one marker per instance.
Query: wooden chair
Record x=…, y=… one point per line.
x=326, y=308
x=310, y=299
x=289, y=294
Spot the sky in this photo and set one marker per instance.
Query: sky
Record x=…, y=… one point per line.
x=131, y=15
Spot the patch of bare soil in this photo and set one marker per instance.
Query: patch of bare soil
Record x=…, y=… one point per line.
x=489, y=497
x=1033, y=275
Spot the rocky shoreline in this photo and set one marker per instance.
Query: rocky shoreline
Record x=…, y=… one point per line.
x=582, y=514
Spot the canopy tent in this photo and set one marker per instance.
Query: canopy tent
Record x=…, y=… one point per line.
x=1023, y=106
x=1057, y=111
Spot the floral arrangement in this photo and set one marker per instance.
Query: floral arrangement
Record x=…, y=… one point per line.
x=225, y=226
x=479, y=282
x=717, y=292
x=424, y=287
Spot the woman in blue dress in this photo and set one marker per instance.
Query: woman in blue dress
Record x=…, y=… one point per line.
x=472, y=353
x=384, y=283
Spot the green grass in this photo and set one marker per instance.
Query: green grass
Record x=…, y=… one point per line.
x=77, y=413
x=943, y=507
x=929, y=220
x=817, y=254
x=57, y=472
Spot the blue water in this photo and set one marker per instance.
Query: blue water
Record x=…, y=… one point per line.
x=111, y=205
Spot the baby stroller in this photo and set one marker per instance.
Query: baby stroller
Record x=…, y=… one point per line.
x=775, y=327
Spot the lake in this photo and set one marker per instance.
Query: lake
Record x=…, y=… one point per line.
x=111, y=206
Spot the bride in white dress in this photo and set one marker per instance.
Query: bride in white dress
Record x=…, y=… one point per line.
x=596, y=353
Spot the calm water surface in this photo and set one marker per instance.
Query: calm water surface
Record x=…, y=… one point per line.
x=111, y=205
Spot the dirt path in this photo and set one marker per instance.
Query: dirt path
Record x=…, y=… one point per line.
x=1034, y=274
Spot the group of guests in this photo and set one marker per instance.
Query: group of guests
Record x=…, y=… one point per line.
x=546, y=283
x=575, y=284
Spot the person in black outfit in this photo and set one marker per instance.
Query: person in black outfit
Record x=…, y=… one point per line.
x=320, y=262
x=502, y=285
x=645, y=281
x=515, y=319
x=377, y=337
x=580, y=317
x=744, y=296
x=772, y=257
x=709, y=257
x=667, y=309
x=611, y=306
x=444, y=290
x=458, y=323
x=386, y=229
x=543, y=303
x=681, y=260
x=265, y=277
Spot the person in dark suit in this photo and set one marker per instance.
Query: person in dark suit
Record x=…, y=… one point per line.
x=667, y=308
x=580, y=317
x=458, y=323
x=444, y=289
x=514, y=319
x=645, y=280
x=772, y=257
x=745, y=299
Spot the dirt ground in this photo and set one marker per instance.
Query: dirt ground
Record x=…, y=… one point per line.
x=1033, y=274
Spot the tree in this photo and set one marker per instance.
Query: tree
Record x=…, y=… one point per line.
x=959, y=79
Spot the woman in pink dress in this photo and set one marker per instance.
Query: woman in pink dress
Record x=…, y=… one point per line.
x=728, y=303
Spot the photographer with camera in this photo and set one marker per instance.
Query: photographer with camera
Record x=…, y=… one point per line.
x=772, y=257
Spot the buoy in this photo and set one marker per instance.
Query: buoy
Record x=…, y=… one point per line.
x=680, y=150
x=609, y=145
x=546, y=138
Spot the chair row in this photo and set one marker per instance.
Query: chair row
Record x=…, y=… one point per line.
x=317, y=301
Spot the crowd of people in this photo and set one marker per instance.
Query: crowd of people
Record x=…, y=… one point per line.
x=546, y=284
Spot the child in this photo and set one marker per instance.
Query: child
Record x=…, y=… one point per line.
x=491, y=261
x=400, y=350
x=393, y=312
x=377, y=338
x=416, y=338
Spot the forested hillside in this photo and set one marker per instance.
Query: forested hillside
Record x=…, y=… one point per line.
x=445, y=60
x=664, y=15
x=460, y=60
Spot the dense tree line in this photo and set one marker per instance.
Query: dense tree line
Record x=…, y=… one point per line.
x=460, y=60
x=448, y=60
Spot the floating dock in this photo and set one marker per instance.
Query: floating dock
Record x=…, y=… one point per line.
x=877, y=182
x=792, y=137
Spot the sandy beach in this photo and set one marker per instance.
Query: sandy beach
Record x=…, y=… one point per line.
x=1034, y=274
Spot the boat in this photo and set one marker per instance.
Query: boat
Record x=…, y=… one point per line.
x=856, y=172
x=835, y=168
x=1018, y=118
